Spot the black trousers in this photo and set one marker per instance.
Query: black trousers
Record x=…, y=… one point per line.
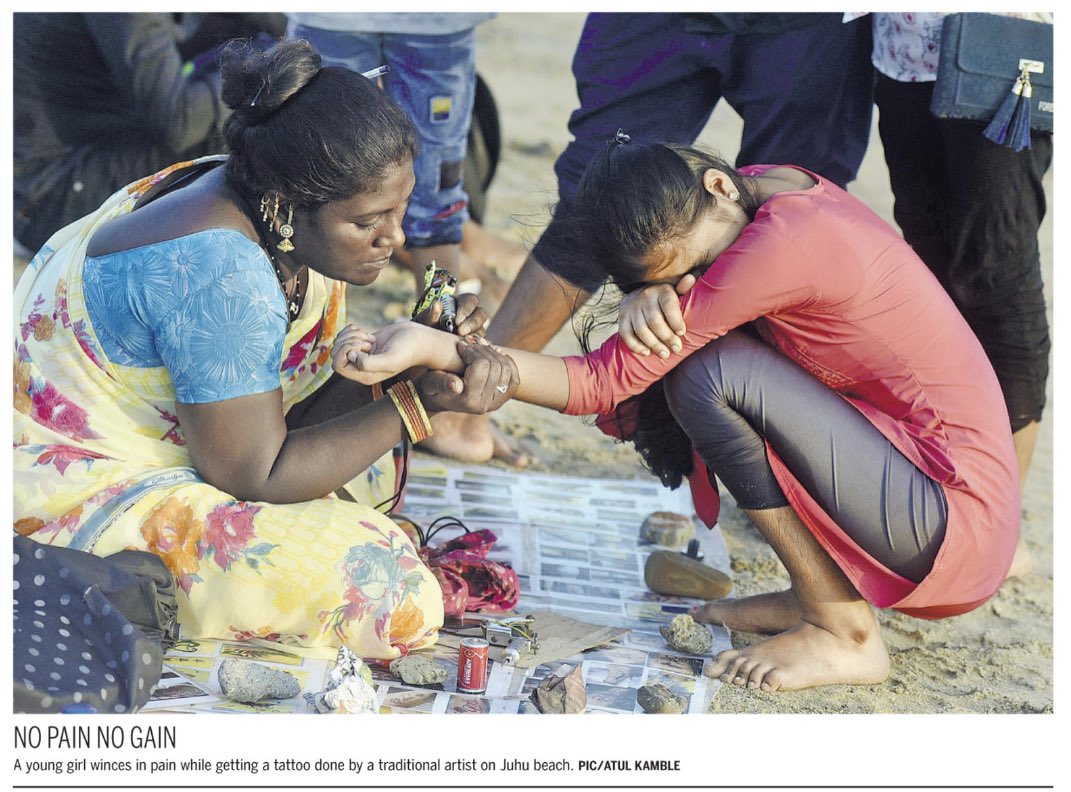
x=738, y=392
x=971, y=209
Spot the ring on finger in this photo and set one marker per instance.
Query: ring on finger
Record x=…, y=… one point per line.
x=501, y=388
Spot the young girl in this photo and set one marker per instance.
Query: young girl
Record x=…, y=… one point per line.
x=822, y=374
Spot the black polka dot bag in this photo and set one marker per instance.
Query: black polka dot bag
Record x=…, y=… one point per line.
x=89, y=632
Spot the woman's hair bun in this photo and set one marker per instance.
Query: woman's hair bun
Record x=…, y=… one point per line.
x=258, y=82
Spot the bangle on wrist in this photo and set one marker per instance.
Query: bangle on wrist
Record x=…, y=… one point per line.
x=414, y=416
x=380, y=388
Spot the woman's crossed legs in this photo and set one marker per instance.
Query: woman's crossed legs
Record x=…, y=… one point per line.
x=730, y=398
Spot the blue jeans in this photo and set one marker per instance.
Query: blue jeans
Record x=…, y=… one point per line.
x=433, y=79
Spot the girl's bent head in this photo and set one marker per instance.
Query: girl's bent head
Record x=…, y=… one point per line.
x=637, y=203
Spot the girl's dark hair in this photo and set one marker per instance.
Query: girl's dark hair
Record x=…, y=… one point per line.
x=313, y=133
x=632, y=198
x=636, y=196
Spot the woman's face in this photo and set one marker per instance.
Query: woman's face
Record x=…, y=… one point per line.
x=353, y=239
x=692, y=252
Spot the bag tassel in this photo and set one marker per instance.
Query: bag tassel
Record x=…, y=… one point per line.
x=1011, y=125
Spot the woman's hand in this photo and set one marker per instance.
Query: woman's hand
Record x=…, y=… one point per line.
x=369, y=358
x=489, y=380
x=650, y=318
x=471, y=318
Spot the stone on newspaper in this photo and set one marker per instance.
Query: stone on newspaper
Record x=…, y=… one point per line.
x=248, y=682
x=686, y=635
x=668, y=529
x=416, y=670
x=562, y=692
x=659, y=699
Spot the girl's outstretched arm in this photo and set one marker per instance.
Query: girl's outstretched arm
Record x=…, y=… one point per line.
x=374, y=357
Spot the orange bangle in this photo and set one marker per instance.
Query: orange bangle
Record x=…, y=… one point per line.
x=414, y=416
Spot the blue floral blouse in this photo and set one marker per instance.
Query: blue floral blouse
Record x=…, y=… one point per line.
x=207, y=306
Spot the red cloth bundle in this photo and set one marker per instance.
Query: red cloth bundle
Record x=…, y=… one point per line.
x=470, y=581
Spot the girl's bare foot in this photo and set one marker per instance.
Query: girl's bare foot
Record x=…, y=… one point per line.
x=762, y=613
x=847, y=652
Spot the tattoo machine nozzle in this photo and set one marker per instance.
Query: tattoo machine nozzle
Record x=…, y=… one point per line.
x=440, y=286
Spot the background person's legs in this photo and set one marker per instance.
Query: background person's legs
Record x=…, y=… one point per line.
x=805, y=96
x=433, y=78
x=972, y=210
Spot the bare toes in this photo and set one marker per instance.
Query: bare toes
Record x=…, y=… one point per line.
x=772, y=681
x=721, y=662
x=732, y=670
x=758, y=673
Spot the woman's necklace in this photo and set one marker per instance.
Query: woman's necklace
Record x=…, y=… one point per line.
x=293, y=301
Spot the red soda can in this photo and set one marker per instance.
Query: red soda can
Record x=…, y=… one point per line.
x=472, y=666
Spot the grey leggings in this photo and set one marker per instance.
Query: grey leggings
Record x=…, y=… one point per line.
x=737, y=392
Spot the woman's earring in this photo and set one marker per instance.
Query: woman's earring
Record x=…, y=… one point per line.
x=264, y=209
x=734, y=196
x=286, y=230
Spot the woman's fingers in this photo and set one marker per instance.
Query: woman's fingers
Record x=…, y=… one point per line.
x=471, y=317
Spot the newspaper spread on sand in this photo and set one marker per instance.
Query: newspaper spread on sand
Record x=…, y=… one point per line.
x=576, y=548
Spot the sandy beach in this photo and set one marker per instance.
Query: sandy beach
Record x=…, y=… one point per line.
x=997, y=659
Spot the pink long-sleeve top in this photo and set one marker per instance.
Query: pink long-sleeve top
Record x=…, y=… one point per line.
x=838, y=291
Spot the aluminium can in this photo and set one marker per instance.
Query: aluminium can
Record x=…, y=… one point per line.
x=472, y=666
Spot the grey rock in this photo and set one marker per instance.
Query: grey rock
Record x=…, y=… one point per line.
x=660, y=700
x=248, y=682
x=417, y=670
x=686, y=635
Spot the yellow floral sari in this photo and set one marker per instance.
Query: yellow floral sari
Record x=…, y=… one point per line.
x=100, y=464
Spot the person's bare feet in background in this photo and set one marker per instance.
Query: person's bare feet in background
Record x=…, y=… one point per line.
x=482, y=255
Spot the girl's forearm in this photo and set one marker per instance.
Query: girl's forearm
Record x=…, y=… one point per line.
x=544, y=380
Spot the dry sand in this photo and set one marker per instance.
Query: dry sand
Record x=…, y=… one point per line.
x=997, y=659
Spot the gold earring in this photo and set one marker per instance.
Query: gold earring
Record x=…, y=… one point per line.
x=264, y=208
x=286, y=230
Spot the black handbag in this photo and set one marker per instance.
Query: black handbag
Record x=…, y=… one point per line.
x=996, y=70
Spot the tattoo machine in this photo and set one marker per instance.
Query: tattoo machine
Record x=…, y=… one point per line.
x=514, y=635
x=440, y=286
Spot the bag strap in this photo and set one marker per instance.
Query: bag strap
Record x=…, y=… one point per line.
x=174, y=180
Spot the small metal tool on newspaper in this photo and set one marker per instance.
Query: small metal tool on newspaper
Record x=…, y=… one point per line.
x=513, y=634
x=440, y=286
